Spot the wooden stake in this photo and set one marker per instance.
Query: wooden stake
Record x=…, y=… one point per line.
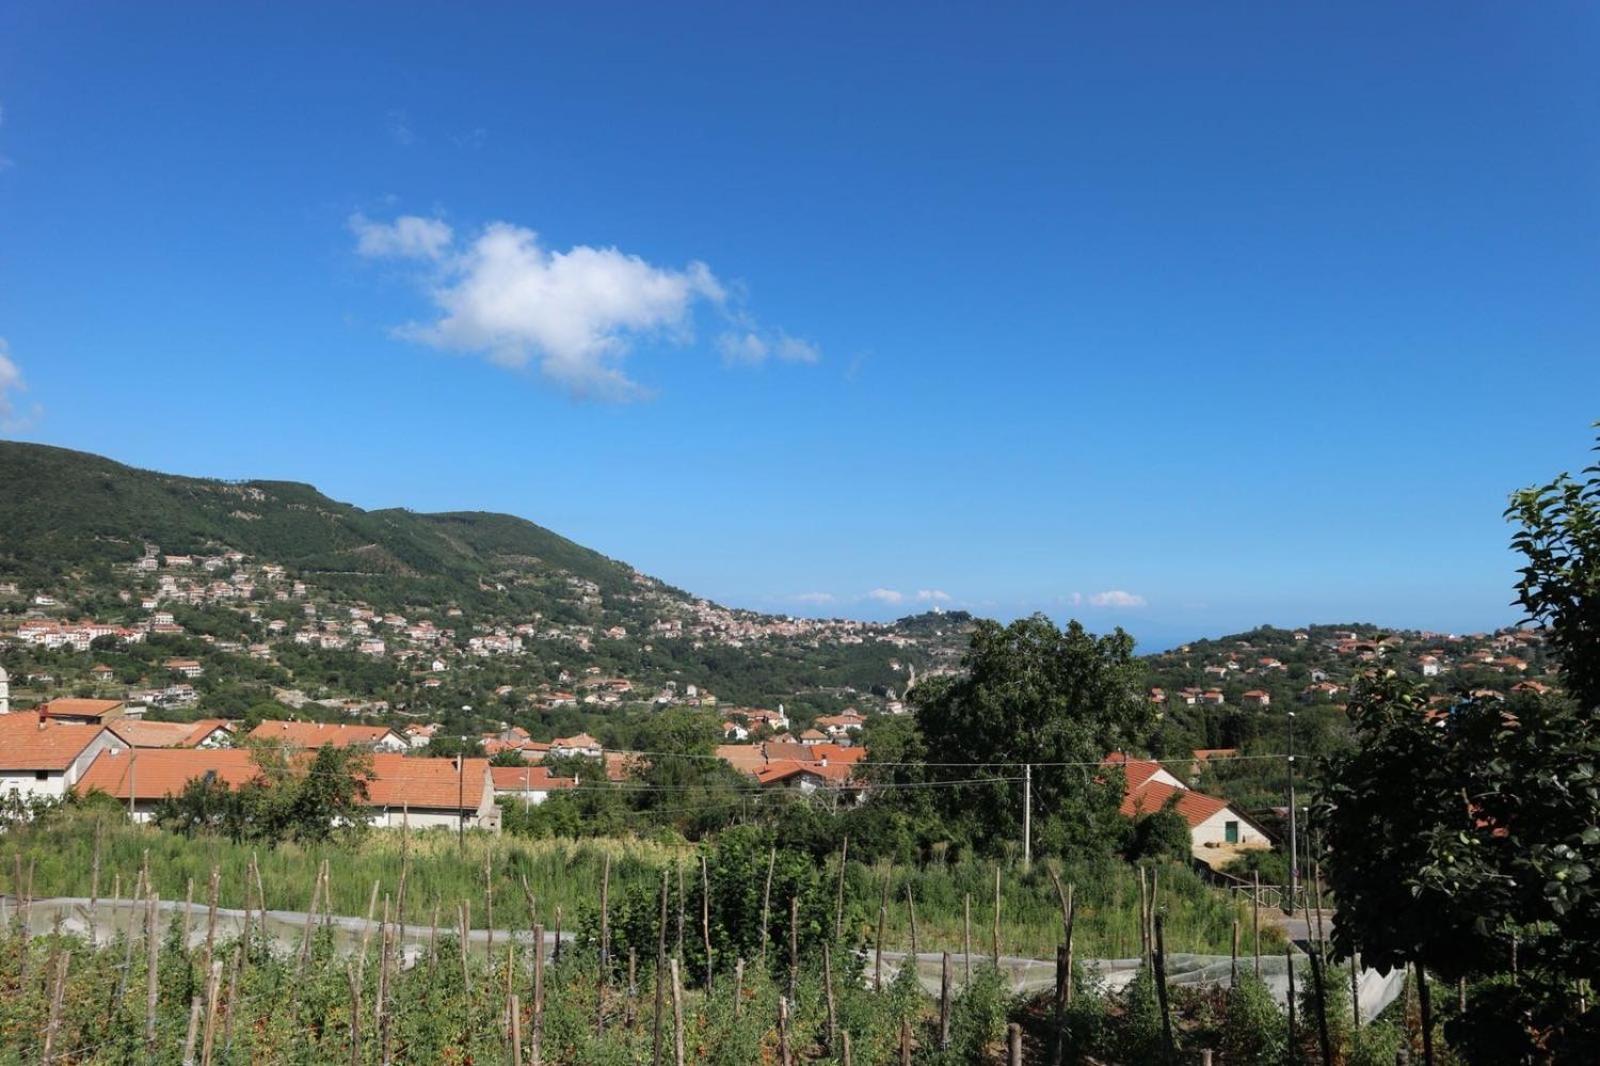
x=57, y=994
x=966, y=939
x=1425, y=1006
x=905, y=1041
x=1355, y=991
x=1255, y=896
x=997, y=917
x=488, y=903
x=738, y=986
x=1014, y=1044
x=631, y=1018
x=1233, y=957
x=1321, y=1001
x=838, y=909
x=516, y=1031
x=661, y=967
x=944, y=1002
x=677, y=1012
x=538, y=994
x=785, y=1056
x=877, y=948
x=1161, y=991
x=705, y=917
x=194, y=1029
x=152, y=951
x=233, y=1004
x=466, y=927
x=1072, y=925
x=844, y=1041
x=827, y=990
x=766, y=904
x=911, y=909
x=213, y=990
x=794, y=945
x=681, y=907
x=1288, y=964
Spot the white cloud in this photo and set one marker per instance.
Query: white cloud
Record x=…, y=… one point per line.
x=575, y=314
x=1116, y=598
x=886, y=596
x=407, y=237
x=11, y=383
x=398, y=123
x=933, y=596
x=815, y=597
x=749, y=348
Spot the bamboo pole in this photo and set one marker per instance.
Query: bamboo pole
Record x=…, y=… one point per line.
x=827, y=990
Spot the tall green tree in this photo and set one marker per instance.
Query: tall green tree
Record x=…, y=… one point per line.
x=1030, y=692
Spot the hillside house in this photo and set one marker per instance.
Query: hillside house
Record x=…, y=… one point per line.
x=530, y=785
x=1218, y=832
x=85, y=712
x=43, y=758
x=339, y=734
x=581, y=746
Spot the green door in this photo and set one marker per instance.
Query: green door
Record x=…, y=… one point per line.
x=1230, y=832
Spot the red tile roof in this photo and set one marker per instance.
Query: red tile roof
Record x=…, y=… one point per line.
x=316, y=734
x=74, y=708
x=402, y=781
x=1195, y=807
x=25, y=744
x=142, y=734
x=1136, y=771
x=527, y=779
x=152, y=773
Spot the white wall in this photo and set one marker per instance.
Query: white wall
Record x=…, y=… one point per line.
x=1214, y=831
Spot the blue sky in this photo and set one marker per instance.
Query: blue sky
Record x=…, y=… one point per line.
x=1243, y=312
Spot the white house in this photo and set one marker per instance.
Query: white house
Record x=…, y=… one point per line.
x=1217, y=831
x=44, y=758
x=531, y=785
x=582, y=745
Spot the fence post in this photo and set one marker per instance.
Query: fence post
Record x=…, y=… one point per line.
x=1014, y=1044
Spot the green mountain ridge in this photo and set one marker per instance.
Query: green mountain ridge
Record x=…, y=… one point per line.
x=65, y=510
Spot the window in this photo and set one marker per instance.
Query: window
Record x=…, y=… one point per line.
x=1230, y=832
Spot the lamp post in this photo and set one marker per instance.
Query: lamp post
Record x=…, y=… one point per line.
x=1294, y=854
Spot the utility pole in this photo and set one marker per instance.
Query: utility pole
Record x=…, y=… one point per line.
x=1027, y=816
x=1294, y=854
